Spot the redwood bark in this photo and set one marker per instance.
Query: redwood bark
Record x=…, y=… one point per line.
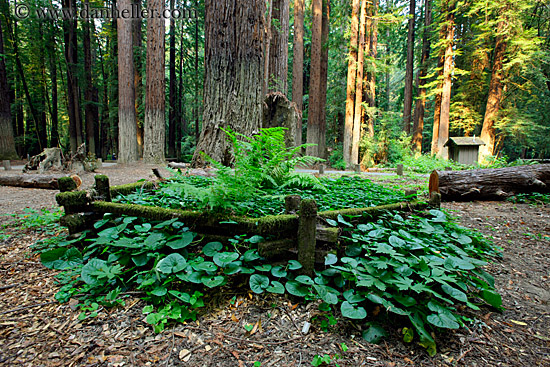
x=278, y=54
x=127, y=142
x=154, y=126
x=351, y=80
x=234, y=71
x=409, y=70
x=298, y=65
x=356, y=136
x=172, y=88
x=7, y=141
x=443, y=136
x=494, y=97
x=490, y=184
x=418, y=117
x=370, y=75
x=90, y=107
x=73, y=94
x=324, y=75
x=137, y=36
x=313, y=120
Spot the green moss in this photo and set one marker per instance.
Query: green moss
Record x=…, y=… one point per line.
x=308, y=208
x=129, y=188
x=278, y=225
x=374, y=211
x=66, y=184
x=72, y=198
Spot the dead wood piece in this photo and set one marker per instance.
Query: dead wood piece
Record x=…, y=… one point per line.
x=278, y=111
x=32, y=181
x=179, y=165
x=490, y=184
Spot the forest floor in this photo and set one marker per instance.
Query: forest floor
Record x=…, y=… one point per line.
x=35, y=330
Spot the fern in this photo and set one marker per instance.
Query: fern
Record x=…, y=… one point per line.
x=261, y=162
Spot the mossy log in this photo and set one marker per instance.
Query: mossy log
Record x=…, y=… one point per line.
x=130, y=188
x=491, y=183
x=73, y=201
x=374, y=211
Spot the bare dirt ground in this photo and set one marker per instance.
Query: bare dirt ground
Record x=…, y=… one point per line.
x=35, y=330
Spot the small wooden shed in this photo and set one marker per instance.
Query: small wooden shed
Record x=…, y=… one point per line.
x=464, y=150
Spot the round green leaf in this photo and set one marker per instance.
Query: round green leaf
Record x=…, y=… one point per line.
x=232, y=268
x=258, y=283
x=304, y=279
x=455, y=293
x=351, y=297
x=223, y=258
x=352, y=311
x=212, y=282
x=278, y=271
x=255, y=239
x=264, y=267
x=276, y=287
x=184, y=241
x=251, y=255
x=374, y=334
x=206, y=266
x=442, y=321
x=296, y=289
x=172, y=263
x=294, y=265
x=211, y=248
x=159, y=291
x=327, y=294
x=331, y=259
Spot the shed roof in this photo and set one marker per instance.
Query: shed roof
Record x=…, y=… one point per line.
x=462, y=141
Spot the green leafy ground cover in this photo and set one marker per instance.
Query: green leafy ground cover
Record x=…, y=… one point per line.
x=422, y=272
x=184, y=192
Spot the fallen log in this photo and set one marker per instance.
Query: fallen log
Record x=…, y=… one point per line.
x=32, y=181
x=491, y=183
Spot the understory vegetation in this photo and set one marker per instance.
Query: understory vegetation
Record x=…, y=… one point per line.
x=420, y=272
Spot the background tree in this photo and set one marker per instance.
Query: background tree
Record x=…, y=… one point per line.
x=7, y=141
x=298, y=64
x=127, y=141
x=409, y=69
x=278, y=54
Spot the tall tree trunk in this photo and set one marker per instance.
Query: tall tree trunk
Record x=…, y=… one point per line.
x=443, y=152
x=370, y=75
x=196, y=84
x=71, y=58
x=494, y=97
x=127, y=141
x=7, y=141
x=351, y=80
x=358, y=109
x=278, y=54
x=138, y=87
x=154, y=125
x=267, y=48
x=313, y=118
x=172, y=88
x=113, y=89
x=387, y=76
x=54, y=135
x=437, y=105
x=298, y=64
x=407, y=101
x=324, y=75
x=418, y=117
x=90, y=108
x=233, y=95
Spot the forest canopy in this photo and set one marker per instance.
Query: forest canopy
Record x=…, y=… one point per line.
x=374, y=81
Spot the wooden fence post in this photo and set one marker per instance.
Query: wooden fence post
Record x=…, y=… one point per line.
x=307, y=233
x=292, y=203
x=7, y=165
x=400, y=169
x=102, y=187
x=321, y=169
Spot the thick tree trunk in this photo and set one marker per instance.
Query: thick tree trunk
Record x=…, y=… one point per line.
x=54, y=135
x=356, y=135
x=278, y=54
x=172, y=88
x=313, y=118
x=196, y=84
x=71, y=57
x=7, y=141
x=323, y=84
x=443, y=136
x=154, y=126
x=418, y=119
x=298, y=65
x=138, y=87
x=409, y=70
x=494, y=97
x=351, y=80
x=280, y=112
x=91, y=111
x=127, y=142
x=490, y=184
x=233, y=95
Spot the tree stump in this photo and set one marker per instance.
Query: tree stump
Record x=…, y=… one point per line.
x=278, y=111
x=7, y=165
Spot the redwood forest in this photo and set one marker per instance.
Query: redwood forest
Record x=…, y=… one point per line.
x=260, y=183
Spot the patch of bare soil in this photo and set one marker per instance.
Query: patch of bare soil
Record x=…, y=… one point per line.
x=35, y=330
